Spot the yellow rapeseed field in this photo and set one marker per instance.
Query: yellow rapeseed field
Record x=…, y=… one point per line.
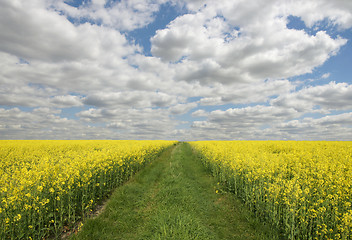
x=46, y=186
x=303, y=188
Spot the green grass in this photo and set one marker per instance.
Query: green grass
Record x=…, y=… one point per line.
x=174, y=198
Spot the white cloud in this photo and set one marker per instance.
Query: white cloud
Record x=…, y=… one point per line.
x=30, y=31
x=238, y=55
x=43, y=123
x=138, y=99
x=185, y=36
x=331, y=127
x=269, y=123
x=338, y=12
x=249, y=46
x=251, y=116
x=275, y=121
x=122, y=15
x=246, y=93
x=332, y=96
x=12, y=95
x=182, y=108
x=200, y=113
x=325, y=75
x=66, y=101
x=239, y=123
x=133, y=123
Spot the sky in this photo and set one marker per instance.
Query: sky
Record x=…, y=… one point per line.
x=176, y=69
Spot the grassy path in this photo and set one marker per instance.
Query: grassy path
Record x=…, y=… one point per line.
x=173, y=198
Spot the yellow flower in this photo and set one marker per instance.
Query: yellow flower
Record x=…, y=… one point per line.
x=281, y=178
x=17, y=217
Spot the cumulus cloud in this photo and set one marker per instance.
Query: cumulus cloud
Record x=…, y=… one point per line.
x=225, y=69
x=29, y=96
x=46, y=123
x=325, y=75
x=43, y=123
x=182, y=108
x=130, y=99
x=312, y=12
x=246, y=117
x=66, y=101
x=30, y=31
x=331, y=127
x=284, y=118
x=338, y=12
x=246, y=93
x=270, y=123
x=133, y=123
x=214, y=44
x=199, y=113
x=123, y=15
x=332, y=96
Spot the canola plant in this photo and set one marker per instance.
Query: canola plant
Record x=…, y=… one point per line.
x=47, y=186
x=303, y=188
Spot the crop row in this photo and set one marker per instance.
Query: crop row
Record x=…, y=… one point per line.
x=47, y=186
x=302, y=188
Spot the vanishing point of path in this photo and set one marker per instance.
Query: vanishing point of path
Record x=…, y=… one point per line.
x=174, y=197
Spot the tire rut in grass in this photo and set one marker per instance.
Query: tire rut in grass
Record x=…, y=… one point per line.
x=129, y=207
x=173, y=198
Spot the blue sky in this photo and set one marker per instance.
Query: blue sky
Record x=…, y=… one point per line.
x=184, y=70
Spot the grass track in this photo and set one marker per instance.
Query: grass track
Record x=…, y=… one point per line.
x=174, y=198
